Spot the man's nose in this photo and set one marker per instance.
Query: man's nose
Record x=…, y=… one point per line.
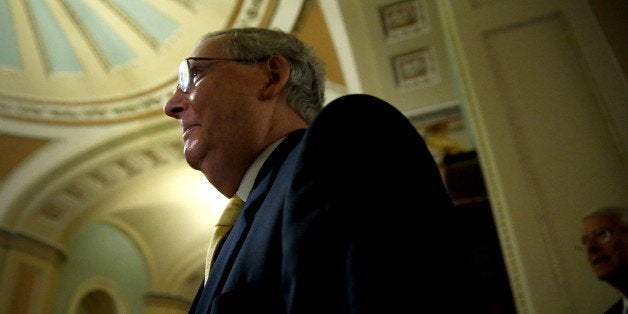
x=592, y=247
x=176, y=104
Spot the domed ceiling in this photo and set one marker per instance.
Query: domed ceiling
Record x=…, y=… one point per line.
x=94, y=61
x=82, y=85
x=82, y=135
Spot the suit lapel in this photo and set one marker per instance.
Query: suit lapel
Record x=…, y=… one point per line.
x=233, y=241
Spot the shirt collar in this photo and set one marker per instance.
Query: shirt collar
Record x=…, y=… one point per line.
x=249, y=176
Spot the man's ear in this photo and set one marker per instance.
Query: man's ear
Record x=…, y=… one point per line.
x=278, y=71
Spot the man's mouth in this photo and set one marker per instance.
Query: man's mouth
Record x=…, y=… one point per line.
x=600, y=259
x=187, y=130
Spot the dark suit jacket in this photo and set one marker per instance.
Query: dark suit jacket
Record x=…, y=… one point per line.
x=617, y=308
x=350, y=217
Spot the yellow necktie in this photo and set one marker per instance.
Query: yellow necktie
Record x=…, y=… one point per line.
x=223, y=226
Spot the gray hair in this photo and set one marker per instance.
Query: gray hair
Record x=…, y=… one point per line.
x=306, y=84
x=619, y=213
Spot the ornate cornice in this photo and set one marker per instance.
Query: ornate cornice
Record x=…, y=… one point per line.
x=32, y=246
x=85, y=113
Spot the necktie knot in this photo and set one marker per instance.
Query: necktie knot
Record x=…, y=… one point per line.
x=231, y=212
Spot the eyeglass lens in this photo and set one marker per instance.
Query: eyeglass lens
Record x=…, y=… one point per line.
x=599, y=236
x=184, y=76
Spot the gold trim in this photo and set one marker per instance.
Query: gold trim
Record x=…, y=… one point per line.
x=79, y=25
x=152, y=41
x=38, y=38
x=270, y=12
x=234, y=15
x=305, y=10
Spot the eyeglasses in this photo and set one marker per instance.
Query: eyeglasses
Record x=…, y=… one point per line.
x=599, y=236
x=187, y=76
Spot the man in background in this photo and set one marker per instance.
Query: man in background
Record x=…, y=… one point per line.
x=605, y=240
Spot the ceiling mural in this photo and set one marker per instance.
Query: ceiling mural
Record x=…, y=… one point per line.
x=101, y=61
x=72, y=69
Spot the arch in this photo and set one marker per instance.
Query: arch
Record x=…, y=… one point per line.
x=97, y=295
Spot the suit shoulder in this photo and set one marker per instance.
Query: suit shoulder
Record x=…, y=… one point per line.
x=363, y=124
x=359, y=110
x=617, y=308
x=357, y=103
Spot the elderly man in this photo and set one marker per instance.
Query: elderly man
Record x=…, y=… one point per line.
x=605, y=239
x=344, y=209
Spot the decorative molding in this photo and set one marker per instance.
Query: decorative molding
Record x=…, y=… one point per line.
x=32, y=246
x=405, y=19
x=424, y=116
x=252, y=13
x=82, y=113
x=436, y=124
x=62, y=202
x=416, y=69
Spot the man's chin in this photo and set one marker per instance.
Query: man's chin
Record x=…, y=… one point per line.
x=193, y=164
x=192, y=159
x=604, y=273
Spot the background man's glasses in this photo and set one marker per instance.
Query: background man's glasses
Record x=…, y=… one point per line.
x=599, y=236
x=186, y=76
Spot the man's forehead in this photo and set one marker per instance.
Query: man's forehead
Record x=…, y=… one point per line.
x=599, y=221
x=211, y=44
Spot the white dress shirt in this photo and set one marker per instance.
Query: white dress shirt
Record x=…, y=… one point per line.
x=246, y=185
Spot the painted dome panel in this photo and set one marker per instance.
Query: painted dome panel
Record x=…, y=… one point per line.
x=86, y=54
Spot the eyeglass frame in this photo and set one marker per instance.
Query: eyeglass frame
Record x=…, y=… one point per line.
x=599, y=236
x=185, y=66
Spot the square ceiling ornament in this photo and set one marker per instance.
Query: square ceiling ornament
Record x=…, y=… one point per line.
x=405, y=19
